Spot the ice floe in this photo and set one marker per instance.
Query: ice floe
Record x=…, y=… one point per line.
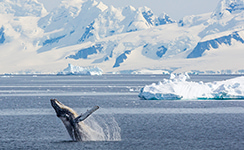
x=77, y=70
x=177, y=87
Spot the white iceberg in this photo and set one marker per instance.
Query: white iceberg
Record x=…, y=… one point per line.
x=77, y=70
x=177, y=88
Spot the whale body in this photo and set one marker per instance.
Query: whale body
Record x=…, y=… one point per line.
x=73, y=122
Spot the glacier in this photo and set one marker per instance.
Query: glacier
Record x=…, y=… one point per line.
x=119, y=40
x=177, y=88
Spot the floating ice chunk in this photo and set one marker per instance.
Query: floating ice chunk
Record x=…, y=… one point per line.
x=229, y=89
x=180, y=77
x=178, y=88
x=77, y=70
x=159, y=96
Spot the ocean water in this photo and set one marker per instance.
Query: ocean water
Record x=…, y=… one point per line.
x=29, y=122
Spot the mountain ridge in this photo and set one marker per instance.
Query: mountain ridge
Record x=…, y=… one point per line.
x=90, y=33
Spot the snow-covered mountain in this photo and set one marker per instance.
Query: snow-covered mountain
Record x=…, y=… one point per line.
x=90, y=21
x=90, y=33
x=22, y=8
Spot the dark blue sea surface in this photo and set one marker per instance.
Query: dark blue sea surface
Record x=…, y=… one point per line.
x=29, y=122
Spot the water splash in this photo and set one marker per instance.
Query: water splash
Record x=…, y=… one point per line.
x=102, y=128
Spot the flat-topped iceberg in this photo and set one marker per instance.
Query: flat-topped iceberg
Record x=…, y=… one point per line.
x=77, y=70
x=177, y=88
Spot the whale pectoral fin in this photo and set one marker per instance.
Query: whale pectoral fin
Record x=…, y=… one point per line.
x=86, y=114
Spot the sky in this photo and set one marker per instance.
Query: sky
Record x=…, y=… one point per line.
x=176, y=9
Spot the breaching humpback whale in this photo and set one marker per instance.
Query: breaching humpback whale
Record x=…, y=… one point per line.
x=77, y=130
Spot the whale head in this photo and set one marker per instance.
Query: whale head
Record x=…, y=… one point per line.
x=62, y=110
